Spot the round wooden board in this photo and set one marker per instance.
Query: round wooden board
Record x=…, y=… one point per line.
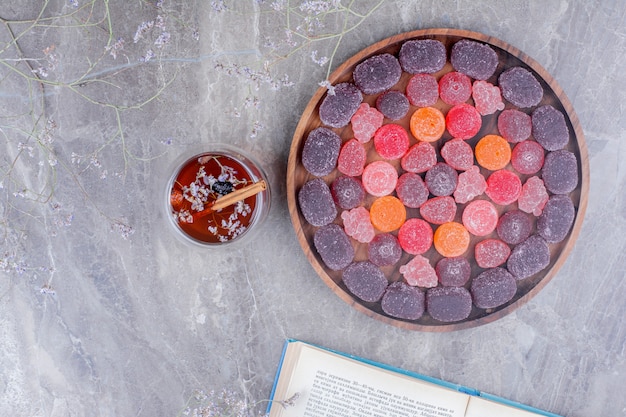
x=297, y=176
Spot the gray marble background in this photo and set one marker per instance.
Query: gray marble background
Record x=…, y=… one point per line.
x=104, y=313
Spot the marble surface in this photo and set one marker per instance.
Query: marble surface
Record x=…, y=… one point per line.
x=104, y=313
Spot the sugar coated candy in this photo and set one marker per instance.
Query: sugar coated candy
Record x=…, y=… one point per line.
x=557, y=218
x=420, y=158
x=487, y=97
x=387, y=213
x=333, y=246
x=514, y=125
x=439, y=210
x=490, y=253
x=316, y=203
x=377, y=73
x=514, y=227
x=520, y=87
x=448, y=304
x=493, y=288
x=453, y=272
x=480, y=217
x=463, y=121
x=503, y=187
x=415, y=236
x=365, y=280
x=348, y=192
x=411, y=190
x=527, y=157
x=533, y=197
x=451, y=239
x=455, y=88
x=391, y=141
x=403, y=301
x=384, y=250
x=352, y=157
x=379, y=178
x=357, y=224
x=393, y=104
x=365, y=122
x=427, y=124
x=529, y=257
x=320, y=151
x=549, y=128
x=339, y=106
x=422, y=90
x=418, y=272
x=492, y=152
x=458, y=154
x=422, y=56
x=441, y=179
x=560, y=172
x=471, y=184
x=474, y=59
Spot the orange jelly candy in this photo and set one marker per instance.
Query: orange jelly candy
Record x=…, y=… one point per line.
x=387, y=213
x=427, y=124
x=493, y=152
x=451, y=239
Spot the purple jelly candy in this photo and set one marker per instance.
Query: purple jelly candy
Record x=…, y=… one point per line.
x=411, y=190
x=514, y=125
x=393, y=104
x=334, y=247
x=403, y=301
x=422, y=56
x=453, y=272
x=549, y=128
x=338, y=107
x=348, y=192
x=474, y=59
x=384, y=250
x=441, y=179
x=556, y=219
x=377, y=73
x=529, y=257
x=493, y=288
x=448, y=304
x=514, y=227
x=316, y=203
x=560, y=172
x=365, y=280
x=320, y=151
x=520, y=87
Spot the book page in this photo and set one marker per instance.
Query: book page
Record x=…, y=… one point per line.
x=480, y=407
x=331, y=385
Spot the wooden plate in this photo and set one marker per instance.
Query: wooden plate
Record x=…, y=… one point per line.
x=297, y=176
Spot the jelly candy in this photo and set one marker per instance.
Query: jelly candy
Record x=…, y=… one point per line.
x=514, y=125
x=411, y=190
x=420, y=158
x=474, y=59
x=427, y=124
x=393, y=104
x=520, y=87
x=453, y=272
x=403, y=301
x=422, y=90
x=387, y=213
x=503, y=187
x=384, y=250
x=549, y=128
x=514, y=227
x=415, y=236
x=451, y=239
x=487, y=97
x=379, y=178
x=352, y=157
x=493, y=288
x=338, y=108
x=463, y=121
x=377, y=73
x=480, y=217
x=493, y=152
x=365, y=122
x=391, y=141
x=418, y=272
x=439, y=210
x=357, y=224
x=347, y=192
x=320, y=151
x=333, y=246
x=490, y=253
x=422, y=56
x=448, y=304
x=533, y=197
x=441, y=179
x=557, y=218
x=560, y=172
x=471, y=184
x=458, y=154
x=316, y=203
x=455, y=88
x=529, y=257
x=527, y=157
x=365, y=280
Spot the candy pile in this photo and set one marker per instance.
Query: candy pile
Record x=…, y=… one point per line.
x=451, y=212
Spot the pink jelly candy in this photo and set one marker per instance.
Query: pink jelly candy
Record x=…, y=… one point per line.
x=348, y=192
x=490, y=253
x=411, y=190
x=352, y=158
x=384, y=250
x=415, y=236
x=393, y=104
x=420, y=158
x=441, y=179
x=527, y=157
x=379, y=178
x=503, y=187
x=458, y=154
x=365, y=122
x=418, y=272
x=357, y=224
x=439, y=210
x=422, y=90
x=463, y=121
x=514, y=227
x=533, y=196
x=455, y=88
x=453, y=272
x=391, y=141
x=514, y=125
x=449, y=304
x=471, y=184
x=403, y=301
x=365, y=280
x=493, y=288
x=487, y=97
x=480, y=217
x=338, y=107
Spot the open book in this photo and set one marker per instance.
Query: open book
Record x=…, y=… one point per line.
x=313, y=381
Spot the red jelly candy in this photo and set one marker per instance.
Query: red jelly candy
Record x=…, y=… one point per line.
x=418, y=272
x=514, y=125
x=415, y=236
x=420, y=158
x=527, y=157
x=357, y=224
x=455, y=88
x=439, y=210
x=533, y=196
x=463, y=121
x=471, y=184
x=487, y=97
x=347, y=192
x=391, y=141
x=365, y=122
x=422, y=90
x=490, y=253
x=379, y=178
x=458, y=154
x=352, y=158
x=384, y=250
x=503, y=187
x=411, y=190
x=480, y=217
